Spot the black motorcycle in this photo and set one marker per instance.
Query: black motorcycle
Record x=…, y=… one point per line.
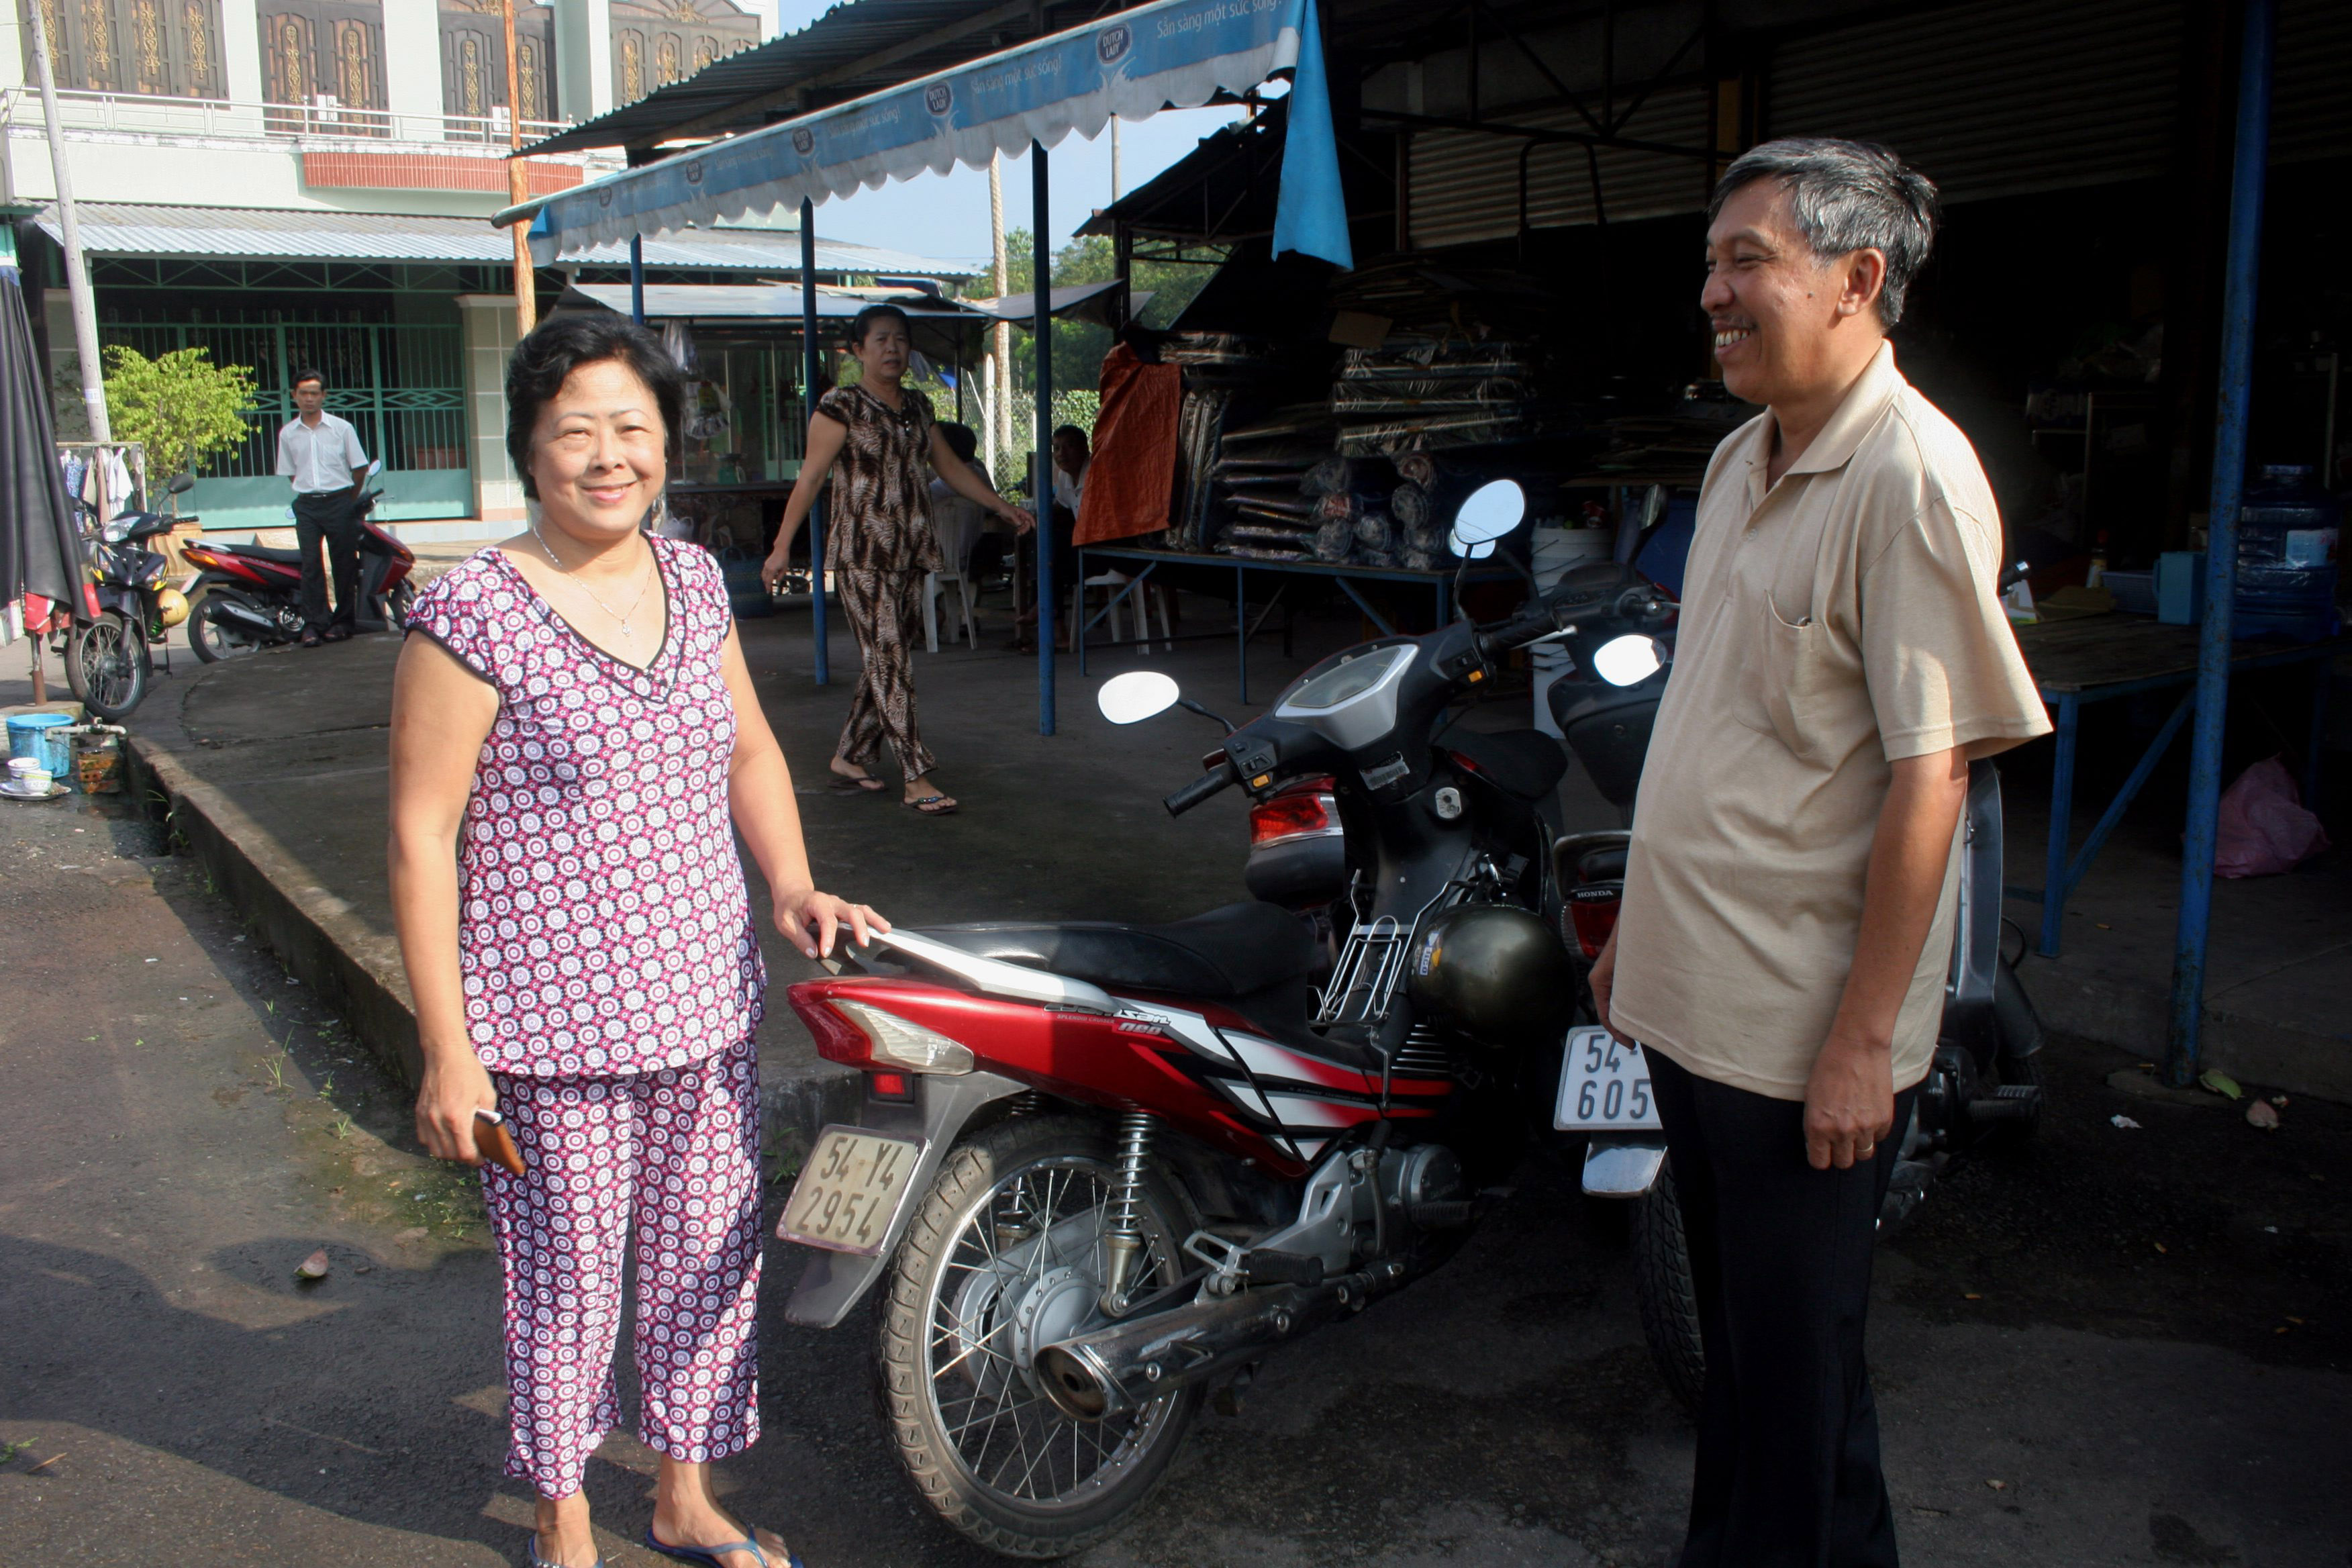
x=108, y=657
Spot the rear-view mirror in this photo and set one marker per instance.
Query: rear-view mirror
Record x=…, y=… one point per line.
x=1138, y=695
x=1492, y=511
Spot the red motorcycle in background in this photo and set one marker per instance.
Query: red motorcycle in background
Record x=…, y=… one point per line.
x=244, y=597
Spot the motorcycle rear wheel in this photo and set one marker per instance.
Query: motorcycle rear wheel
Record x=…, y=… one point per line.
x=396, y=604
x=1666, y=1291
x=106, y=665
x=213, y=642
x=1016, y=1212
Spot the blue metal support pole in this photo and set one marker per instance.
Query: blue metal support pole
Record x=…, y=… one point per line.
x=2241, y=274
x=808, y=409
x=637, y=278
x=1042, y=283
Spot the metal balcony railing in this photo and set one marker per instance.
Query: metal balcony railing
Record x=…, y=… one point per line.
x=140, y=114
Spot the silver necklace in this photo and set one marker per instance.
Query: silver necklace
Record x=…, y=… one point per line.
x=622, y=620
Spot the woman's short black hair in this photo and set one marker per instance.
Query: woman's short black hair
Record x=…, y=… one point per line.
x=863, y=322
x=961, y=439
x=545, y=360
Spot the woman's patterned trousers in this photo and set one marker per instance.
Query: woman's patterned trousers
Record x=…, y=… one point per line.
x=886, y=612
x=674, y=1156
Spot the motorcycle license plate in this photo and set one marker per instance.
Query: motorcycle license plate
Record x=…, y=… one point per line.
x=1604, y=1086
x=850, y=1191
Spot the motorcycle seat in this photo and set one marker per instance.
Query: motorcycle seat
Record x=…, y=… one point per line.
x=1232, y=951
x=1527, y=763
x=261, y=552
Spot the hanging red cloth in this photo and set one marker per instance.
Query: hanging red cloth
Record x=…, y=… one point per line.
x=1133, y=471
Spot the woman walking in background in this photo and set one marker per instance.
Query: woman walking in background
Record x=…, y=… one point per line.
x=881, y=543
x=574, y=742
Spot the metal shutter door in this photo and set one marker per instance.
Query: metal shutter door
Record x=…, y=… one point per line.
x=1995, y=99
x=1463, y=185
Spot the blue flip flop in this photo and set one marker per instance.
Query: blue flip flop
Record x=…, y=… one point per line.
x=711, y=1556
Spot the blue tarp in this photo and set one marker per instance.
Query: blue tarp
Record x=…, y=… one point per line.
x=1175, y=54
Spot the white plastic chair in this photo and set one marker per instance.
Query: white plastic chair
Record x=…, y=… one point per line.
x=958, y=522
x=1136, y=606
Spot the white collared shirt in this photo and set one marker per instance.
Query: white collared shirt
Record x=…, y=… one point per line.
x=321, y=460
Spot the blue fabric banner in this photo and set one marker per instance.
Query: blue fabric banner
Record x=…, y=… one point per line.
x=1310, y=215
x=1175, y=54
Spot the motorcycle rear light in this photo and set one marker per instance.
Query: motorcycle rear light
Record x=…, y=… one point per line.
x=888, y=1086
x=1304, y=812
x=899, y=1042
x=1594, y=913
x=197, y=555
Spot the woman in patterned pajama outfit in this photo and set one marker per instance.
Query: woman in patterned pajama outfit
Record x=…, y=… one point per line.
x=881, y=543
x=575, y=743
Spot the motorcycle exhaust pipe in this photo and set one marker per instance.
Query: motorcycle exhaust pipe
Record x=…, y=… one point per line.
x=243, y=615
x=1123, y=1366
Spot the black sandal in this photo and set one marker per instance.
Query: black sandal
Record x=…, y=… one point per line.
x=932, y=806
x=845, y=785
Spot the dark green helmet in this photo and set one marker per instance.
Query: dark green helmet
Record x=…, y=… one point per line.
x=1497, y=972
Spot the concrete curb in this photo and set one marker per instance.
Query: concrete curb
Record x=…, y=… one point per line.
x=358, y=971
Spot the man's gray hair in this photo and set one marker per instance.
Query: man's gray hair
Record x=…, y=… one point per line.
x=1846, y=196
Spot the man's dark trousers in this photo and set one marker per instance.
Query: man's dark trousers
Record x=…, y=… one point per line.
x=329, y=517
x=1788, y=1472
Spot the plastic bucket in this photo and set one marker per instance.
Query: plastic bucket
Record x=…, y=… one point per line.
x=42, y=736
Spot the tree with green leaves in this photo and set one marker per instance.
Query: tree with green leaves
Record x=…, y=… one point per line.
x=180, y=406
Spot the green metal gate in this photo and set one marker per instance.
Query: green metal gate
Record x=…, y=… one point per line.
x=401, y=385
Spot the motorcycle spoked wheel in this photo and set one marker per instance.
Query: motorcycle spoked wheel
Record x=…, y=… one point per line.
x=106, y=665
x=213, y=641
x=1014, y=1221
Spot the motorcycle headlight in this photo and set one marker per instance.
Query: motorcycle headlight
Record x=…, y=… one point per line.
x=1628, y=660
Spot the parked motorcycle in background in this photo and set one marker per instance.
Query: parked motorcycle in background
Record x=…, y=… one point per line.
x=110, y=656
x=245, y=597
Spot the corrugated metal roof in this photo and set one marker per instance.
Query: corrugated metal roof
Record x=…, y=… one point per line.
x=260, y=234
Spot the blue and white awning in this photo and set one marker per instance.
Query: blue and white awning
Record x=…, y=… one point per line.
x=1173, y=54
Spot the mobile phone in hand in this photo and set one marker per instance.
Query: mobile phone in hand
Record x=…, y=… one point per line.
x=495, y=1143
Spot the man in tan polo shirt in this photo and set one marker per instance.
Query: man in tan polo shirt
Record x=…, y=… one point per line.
x=1841, y=657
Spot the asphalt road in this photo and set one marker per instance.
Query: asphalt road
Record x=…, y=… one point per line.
x=2127, y=1347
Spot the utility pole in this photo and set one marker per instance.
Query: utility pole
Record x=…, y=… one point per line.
x=1117, y=185
x=1000, y=336
x=526, y=275
x=85, y=310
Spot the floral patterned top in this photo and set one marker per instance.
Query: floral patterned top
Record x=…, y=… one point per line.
x=880, y=516
x=603, y=923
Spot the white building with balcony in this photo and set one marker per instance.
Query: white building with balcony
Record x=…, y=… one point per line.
x=298, y=184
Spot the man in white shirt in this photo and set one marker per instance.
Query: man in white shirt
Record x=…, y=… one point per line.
x=321, y=454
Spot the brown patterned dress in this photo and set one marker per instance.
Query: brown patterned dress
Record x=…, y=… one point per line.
x=879, y=545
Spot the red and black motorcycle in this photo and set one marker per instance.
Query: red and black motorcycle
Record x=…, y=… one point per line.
x=1099, y=1169
x=244, y=597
